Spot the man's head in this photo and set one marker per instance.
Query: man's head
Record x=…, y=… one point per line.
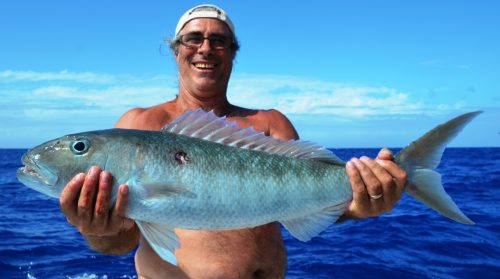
x=204, y=48
x=204, y=11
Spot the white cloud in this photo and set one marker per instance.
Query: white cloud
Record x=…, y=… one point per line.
x=31, y=76
x=43, y=94
x=294, y=95
x=108, y=97
x=69, y=92
x=46, y=105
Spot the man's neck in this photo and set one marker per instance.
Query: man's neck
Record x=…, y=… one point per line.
x=218, y=103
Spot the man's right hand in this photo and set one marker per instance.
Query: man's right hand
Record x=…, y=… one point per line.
x=86, y=203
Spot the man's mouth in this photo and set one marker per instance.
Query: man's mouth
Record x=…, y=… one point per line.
x=204, y=66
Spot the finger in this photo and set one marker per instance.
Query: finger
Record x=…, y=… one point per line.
x=87, y=196
x=69, y=196
x=118, y=215
x=388, y=187
x=380, y=172
x=385, y=154
x=359, y=195
x=393, y=169
x=370, y=180
x=101, y=211
x=398, y=174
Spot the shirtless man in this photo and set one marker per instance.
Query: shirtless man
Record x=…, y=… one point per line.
x=204, y=49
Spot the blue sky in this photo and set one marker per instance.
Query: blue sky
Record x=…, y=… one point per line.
x=347, y=73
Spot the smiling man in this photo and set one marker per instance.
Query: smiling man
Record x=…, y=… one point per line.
x=204, y=47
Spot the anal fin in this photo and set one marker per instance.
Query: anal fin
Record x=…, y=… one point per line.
x=161, y=238
x=307, y=227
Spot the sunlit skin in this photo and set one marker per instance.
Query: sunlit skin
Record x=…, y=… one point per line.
x=249, y=253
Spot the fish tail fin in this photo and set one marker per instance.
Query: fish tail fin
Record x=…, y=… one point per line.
x=419, y=160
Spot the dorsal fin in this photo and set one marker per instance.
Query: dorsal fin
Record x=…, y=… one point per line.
x=207, y=126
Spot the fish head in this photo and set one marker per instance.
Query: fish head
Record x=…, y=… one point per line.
x=49, y=166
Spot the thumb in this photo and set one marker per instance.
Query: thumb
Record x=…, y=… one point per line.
x=385, y=154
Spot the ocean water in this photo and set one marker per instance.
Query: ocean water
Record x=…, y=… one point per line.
x=411, y=241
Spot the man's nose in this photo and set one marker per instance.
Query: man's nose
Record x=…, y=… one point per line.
x=206, y=46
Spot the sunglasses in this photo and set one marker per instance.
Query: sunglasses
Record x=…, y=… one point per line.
x=196, y=39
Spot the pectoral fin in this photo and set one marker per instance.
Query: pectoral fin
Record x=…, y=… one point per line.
x=154, y=190
x=307, y=227
x=161, y=238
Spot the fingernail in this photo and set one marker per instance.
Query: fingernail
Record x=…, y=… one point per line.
x=349, y=165
x=124, y=189
x=105, y=177
x=79, y=176
x=387, y=150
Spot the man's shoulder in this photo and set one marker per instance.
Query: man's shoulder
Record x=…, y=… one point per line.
x=150, y=118
x=270, y=121
x=280, y=126
x=261, y=114
x=272, y=114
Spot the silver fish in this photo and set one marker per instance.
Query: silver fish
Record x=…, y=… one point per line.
x=203, y=172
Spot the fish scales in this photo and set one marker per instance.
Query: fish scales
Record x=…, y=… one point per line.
x=228, y=187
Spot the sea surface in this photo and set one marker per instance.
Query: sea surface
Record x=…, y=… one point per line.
x=412, y=241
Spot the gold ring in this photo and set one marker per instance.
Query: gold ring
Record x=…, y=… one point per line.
x=376, y=197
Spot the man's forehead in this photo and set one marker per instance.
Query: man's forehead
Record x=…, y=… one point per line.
x=202, y=25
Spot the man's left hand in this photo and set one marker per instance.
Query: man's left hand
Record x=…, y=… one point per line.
x=377, y=185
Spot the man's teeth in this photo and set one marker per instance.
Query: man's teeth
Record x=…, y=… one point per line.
x=204, y=65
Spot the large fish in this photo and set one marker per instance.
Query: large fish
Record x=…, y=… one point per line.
x=204, y=173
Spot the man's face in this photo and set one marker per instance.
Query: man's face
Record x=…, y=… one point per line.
x=204, y=70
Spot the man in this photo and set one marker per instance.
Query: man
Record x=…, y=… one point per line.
x=204, y=49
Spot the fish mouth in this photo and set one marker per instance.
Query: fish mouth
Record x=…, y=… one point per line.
x=34, y=172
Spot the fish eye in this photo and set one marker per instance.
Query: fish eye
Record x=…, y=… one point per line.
x=80, y=146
